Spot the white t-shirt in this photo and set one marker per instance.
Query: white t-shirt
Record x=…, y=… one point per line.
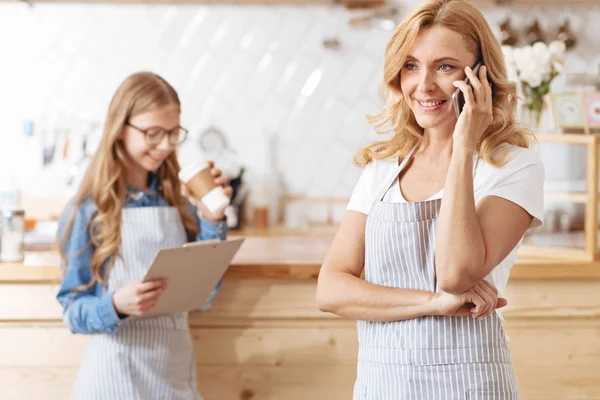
x=520, y=180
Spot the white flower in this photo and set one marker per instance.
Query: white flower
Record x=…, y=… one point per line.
x=557, y=50
x=509, y=54
x=541, y=52
x=535, y=65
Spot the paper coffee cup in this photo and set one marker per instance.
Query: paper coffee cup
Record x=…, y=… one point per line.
x=201, y=183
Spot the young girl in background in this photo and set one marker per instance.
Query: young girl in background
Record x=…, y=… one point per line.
x=128, y=207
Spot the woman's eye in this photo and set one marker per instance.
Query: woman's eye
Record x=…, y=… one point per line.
x=153, y=132
x=445, y=67
x=410, y=67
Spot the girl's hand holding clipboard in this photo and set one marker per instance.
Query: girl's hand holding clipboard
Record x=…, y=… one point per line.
x=137, y=298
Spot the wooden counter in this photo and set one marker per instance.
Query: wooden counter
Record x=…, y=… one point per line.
x=288, y=257
x=264, y=338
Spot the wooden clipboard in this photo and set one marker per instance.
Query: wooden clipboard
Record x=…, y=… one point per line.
x=192, y=272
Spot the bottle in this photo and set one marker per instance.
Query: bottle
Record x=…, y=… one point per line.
x=12, y=238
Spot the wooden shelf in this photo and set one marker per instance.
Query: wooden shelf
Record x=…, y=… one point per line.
x=590, y=198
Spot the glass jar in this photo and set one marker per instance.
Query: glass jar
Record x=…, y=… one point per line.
x=12, y=235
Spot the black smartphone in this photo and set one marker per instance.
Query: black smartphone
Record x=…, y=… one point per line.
x=458, y=99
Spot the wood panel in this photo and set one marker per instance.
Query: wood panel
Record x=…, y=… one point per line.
x=282, y=300
x=553, y=359
x=34, y=383
x=276, y=383
x=556, y=359
x=550, y=298
x=242, y=382
x=265, y=339
x=29, y=302
x=54, y=345
x=254, y=299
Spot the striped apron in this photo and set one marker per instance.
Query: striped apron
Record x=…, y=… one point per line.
x=148, y=358
x=431, y=357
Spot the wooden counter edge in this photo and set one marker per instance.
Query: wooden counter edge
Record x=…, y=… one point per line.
x=15, y=273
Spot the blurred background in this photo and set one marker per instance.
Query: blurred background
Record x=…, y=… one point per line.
x=278, y=90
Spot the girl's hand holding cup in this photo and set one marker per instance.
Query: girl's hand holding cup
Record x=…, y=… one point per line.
x=208, y=188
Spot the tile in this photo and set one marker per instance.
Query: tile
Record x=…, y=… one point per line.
x=251, y=71
x=264, y=25
x=354, y=77
x=266, y=73
x=294, y=77
x=355, y=126
x=331, y=166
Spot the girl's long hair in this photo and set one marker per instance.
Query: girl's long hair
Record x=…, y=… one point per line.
x=397, y=118
x=105, y=180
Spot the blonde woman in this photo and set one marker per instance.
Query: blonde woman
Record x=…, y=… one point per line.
x=128, y=207
x=436, y=218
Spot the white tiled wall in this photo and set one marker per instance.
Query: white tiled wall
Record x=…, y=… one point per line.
x=250, y=71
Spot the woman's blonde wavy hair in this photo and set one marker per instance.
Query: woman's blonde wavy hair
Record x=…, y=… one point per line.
x=462, y=17
x=105, y=180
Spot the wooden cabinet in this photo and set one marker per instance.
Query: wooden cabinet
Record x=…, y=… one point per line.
x=264, y=339
x=576, y=245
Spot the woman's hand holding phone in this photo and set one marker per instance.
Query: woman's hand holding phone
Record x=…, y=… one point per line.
x=476, y=115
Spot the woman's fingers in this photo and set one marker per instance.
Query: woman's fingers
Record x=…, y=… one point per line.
x=467, y=92
x=501, y=302
x=478, y=88
x=487, y=86
x=473, y=297
x=490, y=298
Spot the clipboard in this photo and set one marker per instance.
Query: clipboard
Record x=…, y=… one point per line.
x=192, y=272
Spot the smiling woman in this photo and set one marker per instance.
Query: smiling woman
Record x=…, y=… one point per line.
x=437, y=217
x=436, y=44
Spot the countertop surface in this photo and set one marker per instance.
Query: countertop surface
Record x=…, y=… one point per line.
x=286, y=257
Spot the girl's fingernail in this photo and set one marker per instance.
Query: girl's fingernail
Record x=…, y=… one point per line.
x=467, y=68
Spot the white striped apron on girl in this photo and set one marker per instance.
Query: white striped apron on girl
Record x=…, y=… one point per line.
x=431, y=357
x=148, y=358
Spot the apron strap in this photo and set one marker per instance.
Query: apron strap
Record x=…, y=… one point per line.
x=399, y=169
x=393, y=177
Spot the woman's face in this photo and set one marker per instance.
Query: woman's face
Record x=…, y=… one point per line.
x=438, y=58
x=150, y=157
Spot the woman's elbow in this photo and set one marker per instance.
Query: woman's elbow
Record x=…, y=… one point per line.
x=456, y=283
x=325, y=298
x=325, y=302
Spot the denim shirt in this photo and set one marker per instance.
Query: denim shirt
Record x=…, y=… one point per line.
x=92, y=310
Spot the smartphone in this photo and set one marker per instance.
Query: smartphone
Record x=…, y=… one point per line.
x=458, y=99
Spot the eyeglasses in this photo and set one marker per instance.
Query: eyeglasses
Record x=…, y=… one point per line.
x=154, y=135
